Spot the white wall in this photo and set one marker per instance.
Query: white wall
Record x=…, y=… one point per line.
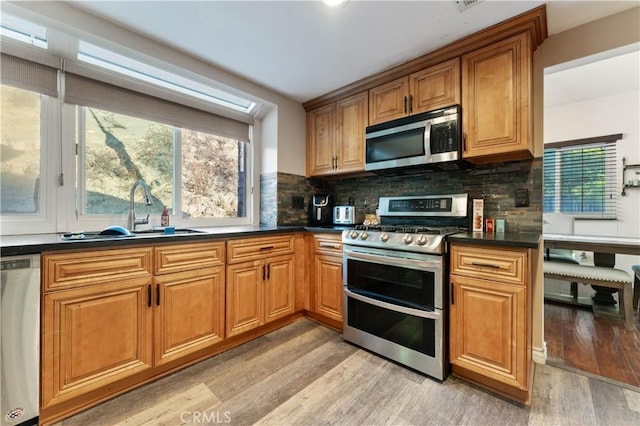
x=612, y=114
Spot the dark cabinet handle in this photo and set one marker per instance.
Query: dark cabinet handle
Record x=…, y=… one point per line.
x=149, y=295
x=464, y=142
x=405, y=104
x=410, y=104
x=263, y=273
x=268, y=272
x=158, y=294
x=453, y=290
x=485, y=265
x=266, y=248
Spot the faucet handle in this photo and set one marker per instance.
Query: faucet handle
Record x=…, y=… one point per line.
x=141, y=221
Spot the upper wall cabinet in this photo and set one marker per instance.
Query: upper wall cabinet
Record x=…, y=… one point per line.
x=496, y=97
x=335, y=136
x=432, y=88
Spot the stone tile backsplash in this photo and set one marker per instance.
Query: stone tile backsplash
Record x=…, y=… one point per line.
x=495, y=183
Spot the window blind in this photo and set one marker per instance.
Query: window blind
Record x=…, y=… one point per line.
x=581, y=176
x=28, y=75
x=92, y=93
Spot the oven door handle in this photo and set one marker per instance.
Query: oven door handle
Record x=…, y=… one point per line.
x=397, y=260
x=392, y=307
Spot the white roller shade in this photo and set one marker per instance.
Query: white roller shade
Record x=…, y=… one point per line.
x=28, y=75
x=91, y=93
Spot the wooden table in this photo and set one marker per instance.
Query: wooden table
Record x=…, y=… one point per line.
x=610, y=246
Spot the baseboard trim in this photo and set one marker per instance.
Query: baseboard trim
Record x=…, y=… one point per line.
x=539, y=355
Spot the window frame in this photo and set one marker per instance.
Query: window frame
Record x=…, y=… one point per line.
x=80, y=220
x=557, y=149
x=45, y=220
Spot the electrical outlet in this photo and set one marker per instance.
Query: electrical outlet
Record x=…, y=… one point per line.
x=297, y=202
x=522, y=198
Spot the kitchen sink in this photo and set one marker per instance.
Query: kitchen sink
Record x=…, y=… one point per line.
x=101, y=235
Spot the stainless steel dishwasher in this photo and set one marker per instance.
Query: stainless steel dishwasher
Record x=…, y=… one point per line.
x=20, y=339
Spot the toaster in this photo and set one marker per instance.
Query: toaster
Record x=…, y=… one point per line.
x=344, y=215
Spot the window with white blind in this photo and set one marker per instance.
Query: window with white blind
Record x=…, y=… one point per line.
x=580, y=177
x=76, y=136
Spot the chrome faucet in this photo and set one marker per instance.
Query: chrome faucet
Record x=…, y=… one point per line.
x=132, y=221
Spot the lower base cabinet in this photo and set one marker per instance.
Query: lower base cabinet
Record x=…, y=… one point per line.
x=490, y=318
x=189, y=312
x=326, y=279
x=94, y=336
x=259, y=291
x=114, y=315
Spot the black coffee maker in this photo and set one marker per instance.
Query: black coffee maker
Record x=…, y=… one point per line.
x=321, y=209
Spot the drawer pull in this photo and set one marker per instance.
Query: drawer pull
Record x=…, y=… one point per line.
x=327, y=245
x=266, y=248
x=486, y=265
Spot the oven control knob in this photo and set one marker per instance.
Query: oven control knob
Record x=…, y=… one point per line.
x=353, y=235
x=364, y=235
x=422, y=240
x=407, y=239
x=384, y=237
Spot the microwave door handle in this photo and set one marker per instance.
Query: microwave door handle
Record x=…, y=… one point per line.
x=427, y=142
x=392, y=307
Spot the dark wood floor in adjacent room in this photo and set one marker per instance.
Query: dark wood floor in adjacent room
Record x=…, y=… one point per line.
x=575, y=339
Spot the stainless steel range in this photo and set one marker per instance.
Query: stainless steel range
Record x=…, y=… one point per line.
x=395, y=280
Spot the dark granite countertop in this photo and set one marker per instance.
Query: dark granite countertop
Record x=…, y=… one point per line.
x=329, y=228
x=32, y=244
x=507, y=239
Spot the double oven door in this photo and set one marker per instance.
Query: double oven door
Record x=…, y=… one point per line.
x=393, y=304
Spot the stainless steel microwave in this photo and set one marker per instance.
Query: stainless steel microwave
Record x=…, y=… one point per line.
x=423, y=142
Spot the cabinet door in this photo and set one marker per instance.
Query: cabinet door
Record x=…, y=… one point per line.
x=189, y=312
x=327, y=284
x=435, y=87
x=321, y=134
x=94, y=336
x=244, y=296
x=496, y=82
x=352, y=116
x=279, y=290
x=389, y=101
x=488, y=329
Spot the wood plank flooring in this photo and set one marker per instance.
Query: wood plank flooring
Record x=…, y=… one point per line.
x=305, y=374
x=575, y=339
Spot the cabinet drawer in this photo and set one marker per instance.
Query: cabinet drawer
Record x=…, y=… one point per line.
x=328, y=244
x=182, y=257
x=497, y=264
x=68, y=270
x=250, y=248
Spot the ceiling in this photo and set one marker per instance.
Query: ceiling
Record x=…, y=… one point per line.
x=303, y=49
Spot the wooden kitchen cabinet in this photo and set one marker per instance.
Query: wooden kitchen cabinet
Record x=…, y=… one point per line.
x=99, y=333
x=110, y=315
x=326, y=281
x=335, y=136
x=261, y=275
x=426, y=90
x=496, y=101
x=189, y=299
x=490, y=318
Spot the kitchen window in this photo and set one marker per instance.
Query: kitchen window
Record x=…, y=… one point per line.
x=78, y=131
x=580, y=177
x=195, y=174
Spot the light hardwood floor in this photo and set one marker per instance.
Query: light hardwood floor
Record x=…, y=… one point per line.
x=305, y=374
